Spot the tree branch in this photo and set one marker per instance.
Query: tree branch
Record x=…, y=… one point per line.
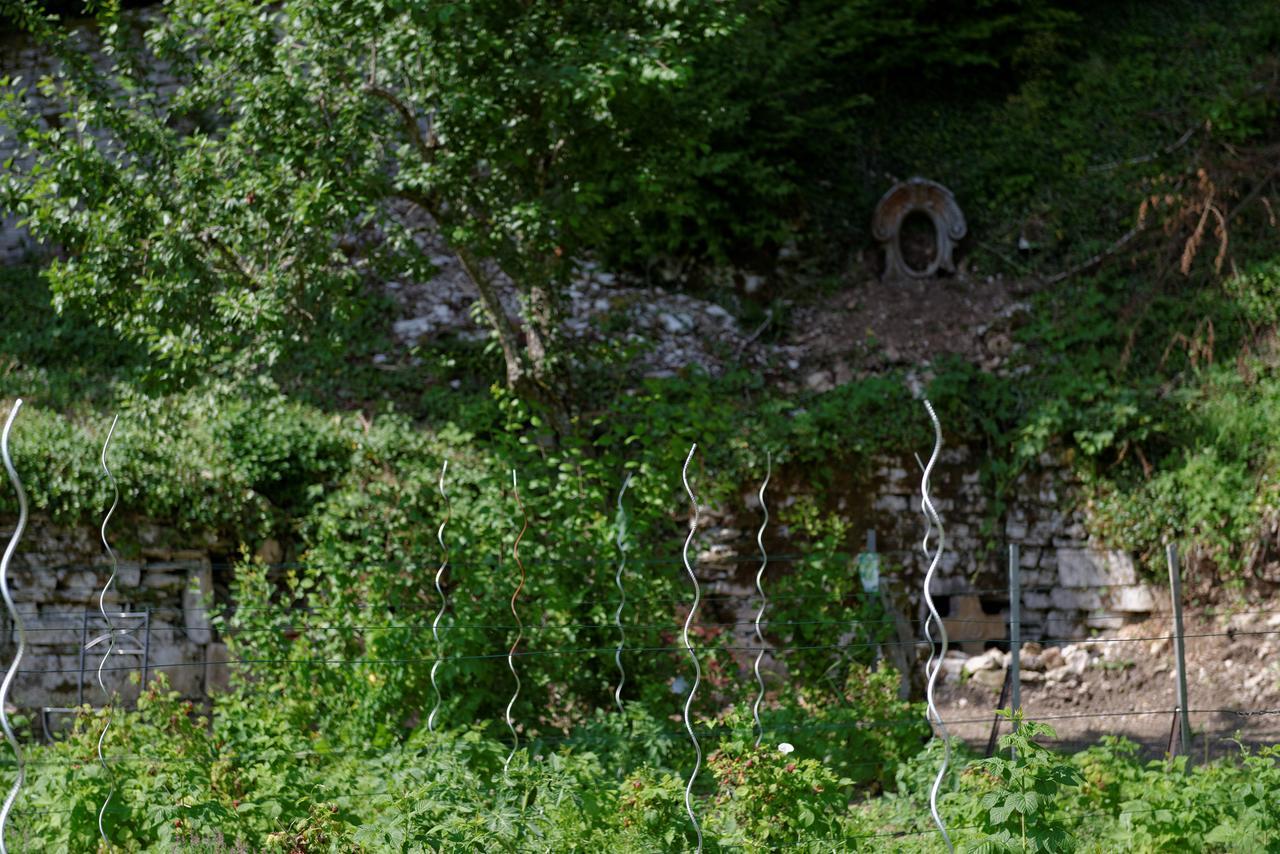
x=232, y=260
x=508, y=338
x=425, y=147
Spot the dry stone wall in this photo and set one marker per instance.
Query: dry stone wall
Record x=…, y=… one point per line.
x=1071, y=586
x=56, y=577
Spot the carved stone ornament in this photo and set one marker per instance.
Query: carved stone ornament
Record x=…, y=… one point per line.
x=918, y=195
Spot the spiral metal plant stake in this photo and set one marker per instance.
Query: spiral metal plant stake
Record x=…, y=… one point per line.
x=444, y=601
x=17, y=624
x=111, y=632
x=697, y=671
x=934, y=661
x=764, y=602
x=622, y=593
x=511, y=660
x=932, y=520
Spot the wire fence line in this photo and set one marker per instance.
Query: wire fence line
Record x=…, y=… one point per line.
x=303, y=628
x=823, y=731
x=535, y=653
x=709, y=730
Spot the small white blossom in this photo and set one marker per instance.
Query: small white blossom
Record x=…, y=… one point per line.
x=786, y=747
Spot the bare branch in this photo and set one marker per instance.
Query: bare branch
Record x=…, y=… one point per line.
x=425, y=147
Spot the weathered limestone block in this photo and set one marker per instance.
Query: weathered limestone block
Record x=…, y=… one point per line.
x=1063, y=624
x=162, y=580
x=183, y=662
x=1037, y=600
x=1041, y=533
x=217, y=673
x=1132, y=600
x=1095, y=568
x=1065, y=599
x=198, y=591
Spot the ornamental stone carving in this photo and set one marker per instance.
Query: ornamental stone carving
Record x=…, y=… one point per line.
x=918, y=195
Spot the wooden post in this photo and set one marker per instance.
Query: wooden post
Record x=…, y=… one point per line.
x=1179, y=651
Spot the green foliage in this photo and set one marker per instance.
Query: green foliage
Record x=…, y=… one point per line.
x=783, y=100
x=768, y=800
x=1018, y=793
x=244, y=217
x=205, y=461
x=62, y=359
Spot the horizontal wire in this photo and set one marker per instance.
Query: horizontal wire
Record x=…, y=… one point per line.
x=994, y=620
x=712, y=732
x=852, y=596
x=545, y=627
x=306, y=662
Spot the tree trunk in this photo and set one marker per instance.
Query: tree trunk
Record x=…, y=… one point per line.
x=535, y=372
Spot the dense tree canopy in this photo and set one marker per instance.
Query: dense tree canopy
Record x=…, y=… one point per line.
x=252, y=208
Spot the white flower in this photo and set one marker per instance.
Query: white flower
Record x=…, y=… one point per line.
x=786, y=747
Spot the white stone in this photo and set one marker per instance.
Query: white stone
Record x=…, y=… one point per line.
x=1095, y=568
x=819, y=381
x=953, y=665
x=1131, y=600
x=411, y=329
x=1076, y=658
x=1058, y=674
x=992, y=659
x=993, y=679
x=1052, y=658
x=675, y=324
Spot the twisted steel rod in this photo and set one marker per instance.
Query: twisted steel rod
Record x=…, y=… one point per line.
x=933, y=520
x=622, y=593
x=444, y=601
x=697, y=670
x=111, y=632
x=934, y=662
x=764, y=602
x=511, y=660
x=17, y=624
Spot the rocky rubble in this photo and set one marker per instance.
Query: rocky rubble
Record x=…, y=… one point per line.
x=1051, y=665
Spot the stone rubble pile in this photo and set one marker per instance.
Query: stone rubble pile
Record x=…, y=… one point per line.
x=1051, y=665
x=668, y=331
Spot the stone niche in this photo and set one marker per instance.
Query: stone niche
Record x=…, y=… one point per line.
x=926, y=198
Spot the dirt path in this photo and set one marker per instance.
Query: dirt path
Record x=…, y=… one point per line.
x=1233, y=663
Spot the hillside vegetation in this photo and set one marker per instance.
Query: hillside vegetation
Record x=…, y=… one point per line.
x=214, y=273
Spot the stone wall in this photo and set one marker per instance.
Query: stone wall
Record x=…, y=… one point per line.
x=22, y=59
x=1071, y=587
x=55, y=579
